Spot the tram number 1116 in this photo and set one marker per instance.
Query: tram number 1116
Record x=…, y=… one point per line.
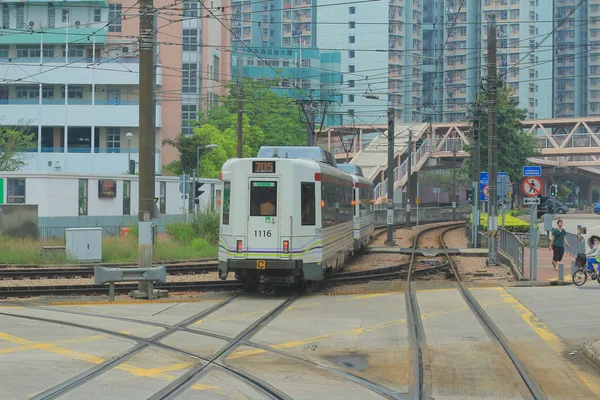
x=263, y=233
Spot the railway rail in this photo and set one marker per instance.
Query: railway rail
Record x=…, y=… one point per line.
x=489, y=324
x=174, y=268
x=88, y=271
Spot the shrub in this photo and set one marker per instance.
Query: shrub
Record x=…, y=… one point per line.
x=511, y=223
x=205, y=226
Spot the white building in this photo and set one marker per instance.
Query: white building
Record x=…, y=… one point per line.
x=73, y=195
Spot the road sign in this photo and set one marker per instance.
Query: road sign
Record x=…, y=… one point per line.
x=532, y=170
x=436, y=190
x=532, y=186
x=484, y=180
x=404, y=189
x=530, y=201
x=417, y=201
x=486, y=192
x=184, y=188
x=155, y=200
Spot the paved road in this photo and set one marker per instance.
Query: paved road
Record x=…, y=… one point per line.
x=320, y=347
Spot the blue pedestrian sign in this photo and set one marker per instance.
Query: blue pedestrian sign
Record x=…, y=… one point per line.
x=484, y=182
x=532, y=171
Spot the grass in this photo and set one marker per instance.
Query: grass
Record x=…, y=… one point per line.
x=114, y=250
x=197, y=239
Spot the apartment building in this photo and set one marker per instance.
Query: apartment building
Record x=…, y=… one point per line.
x=70, y=73
x=360, y=33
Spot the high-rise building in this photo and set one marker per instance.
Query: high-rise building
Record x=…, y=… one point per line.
x=405, y=58
x=359, y=31
x=70, y=73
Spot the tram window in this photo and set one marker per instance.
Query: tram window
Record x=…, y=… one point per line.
x=263, y=199
x=307, y=204
x=226, y=201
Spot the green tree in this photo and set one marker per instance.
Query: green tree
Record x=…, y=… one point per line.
x=277, y=116
x=14, y=141
x=268, y=119
x=515, y=145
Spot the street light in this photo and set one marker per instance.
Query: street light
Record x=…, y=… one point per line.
x=129, y=136
x=208, y=146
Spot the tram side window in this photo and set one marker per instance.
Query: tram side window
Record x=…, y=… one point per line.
x=307, y=195
x=263, y=199
x=226, y=201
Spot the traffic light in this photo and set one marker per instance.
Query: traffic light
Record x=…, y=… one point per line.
x=470, y=196
x=553, y=190
x=198, y=192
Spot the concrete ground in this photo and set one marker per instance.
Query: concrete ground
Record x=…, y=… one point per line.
x=320, y=347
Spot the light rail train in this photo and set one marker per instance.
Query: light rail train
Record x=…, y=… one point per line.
x=290, y=215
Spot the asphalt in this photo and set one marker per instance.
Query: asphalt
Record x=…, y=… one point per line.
x=352, y=346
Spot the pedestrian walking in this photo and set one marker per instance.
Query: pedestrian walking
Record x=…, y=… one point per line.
x=557, y=245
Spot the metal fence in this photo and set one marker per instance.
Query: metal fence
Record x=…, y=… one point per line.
x=574, y=247
x=58, y=232
x=512, y=248
x=425, y=215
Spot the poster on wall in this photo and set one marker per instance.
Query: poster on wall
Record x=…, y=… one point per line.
x=107, y=189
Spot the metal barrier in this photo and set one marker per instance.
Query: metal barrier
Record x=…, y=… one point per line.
x=512, y=247
x=575, y=246
x=150, y=275
x=58, y=232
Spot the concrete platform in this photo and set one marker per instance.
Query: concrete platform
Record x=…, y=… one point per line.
x=319, y=347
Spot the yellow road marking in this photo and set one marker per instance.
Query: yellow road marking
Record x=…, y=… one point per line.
x=542, y=330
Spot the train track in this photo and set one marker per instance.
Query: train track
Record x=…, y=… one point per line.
x=174, y=268
x=88, y=271
x=91, y=290
x=489, y=324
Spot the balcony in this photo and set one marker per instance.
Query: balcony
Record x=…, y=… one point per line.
x=117, y=71
x=79, y=112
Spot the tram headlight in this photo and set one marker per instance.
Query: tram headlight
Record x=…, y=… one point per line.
x=286, y=246
x=239, y=246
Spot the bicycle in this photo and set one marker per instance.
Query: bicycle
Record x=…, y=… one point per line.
x=581, y=275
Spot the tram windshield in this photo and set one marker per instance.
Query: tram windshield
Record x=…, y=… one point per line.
x=263, y=199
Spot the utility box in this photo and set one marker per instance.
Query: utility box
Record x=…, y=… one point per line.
x=84, y=244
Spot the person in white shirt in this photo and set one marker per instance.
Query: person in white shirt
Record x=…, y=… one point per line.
x=594, y=242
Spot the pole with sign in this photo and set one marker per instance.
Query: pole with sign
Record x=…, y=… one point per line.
x=532, y=188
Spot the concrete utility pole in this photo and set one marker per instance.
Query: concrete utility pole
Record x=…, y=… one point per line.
x=405, y=196
x=240, y=152
x=454, y=183
x=309, y=112
x=390, y=182
x=492, y=144
x=147, y=145
x=476, y=172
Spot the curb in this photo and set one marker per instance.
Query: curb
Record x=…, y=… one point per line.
x=589, y=353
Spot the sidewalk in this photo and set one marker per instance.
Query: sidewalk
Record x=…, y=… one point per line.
x=545, y=270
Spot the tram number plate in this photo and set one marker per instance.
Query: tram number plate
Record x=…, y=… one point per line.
x=261, y=264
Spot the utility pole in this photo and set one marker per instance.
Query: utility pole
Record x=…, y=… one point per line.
x=454, y=183
x=390, y=181
x=476, y=172
x=147, y=145
x=405, y=196
x=240, y=153
x=492, y=144
x=309, y=111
